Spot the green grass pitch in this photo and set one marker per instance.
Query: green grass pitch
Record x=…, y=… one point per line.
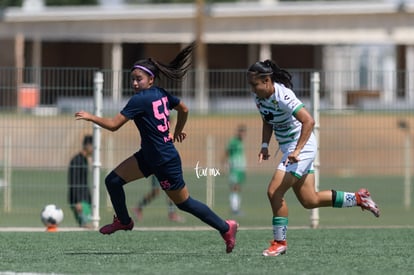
x=348, y=241
x=320, y=251
x=34, y=189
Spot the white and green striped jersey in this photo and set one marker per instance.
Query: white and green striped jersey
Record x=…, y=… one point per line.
x=278, y=110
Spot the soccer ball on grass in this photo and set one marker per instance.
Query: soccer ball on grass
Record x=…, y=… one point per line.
x=51, y=216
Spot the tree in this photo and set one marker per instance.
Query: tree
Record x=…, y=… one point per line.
x=71, y=2
x=18, y=3
x=10, y=3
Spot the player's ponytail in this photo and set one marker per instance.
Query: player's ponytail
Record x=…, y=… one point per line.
x=175, y=70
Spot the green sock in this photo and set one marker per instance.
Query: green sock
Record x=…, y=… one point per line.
x=279, y=228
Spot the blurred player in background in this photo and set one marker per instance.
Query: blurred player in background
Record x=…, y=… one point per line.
x=284, y=115
x=150, y=109
x=236, y=161
x=150, y=196
x=79, y=193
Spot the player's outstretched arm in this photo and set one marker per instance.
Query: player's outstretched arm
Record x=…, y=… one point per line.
x=182, y=115
x=111, y=124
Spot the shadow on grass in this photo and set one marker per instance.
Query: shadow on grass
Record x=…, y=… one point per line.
x=99, y=253
x=187, y=253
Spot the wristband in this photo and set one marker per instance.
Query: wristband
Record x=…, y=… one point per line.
x=265, y=145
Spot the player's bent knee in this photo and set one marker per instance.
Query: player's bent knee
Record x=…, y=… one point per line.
x=309, y=204
x=270, y=196
x=189, y=205
x=274, y=195
x=113, y=180
x=185, y=206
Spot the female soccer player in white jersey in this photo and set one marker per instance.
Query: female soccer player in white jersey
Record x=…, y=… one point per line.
x=285, y=115
x=150, y=109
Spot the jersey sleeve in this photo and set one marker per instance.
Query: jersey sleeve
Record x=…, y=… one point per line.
x=289, y=102
x=133, y=107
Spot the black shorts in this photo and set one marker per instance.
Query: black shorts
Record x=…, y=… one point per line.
x=169, y=174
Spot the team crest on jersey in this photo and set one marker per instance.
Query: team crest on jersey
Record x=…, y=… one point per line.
x=274, y=102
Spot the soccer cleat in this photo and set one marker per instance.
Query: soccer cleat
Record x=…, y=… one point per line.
x=115, y=226
x=365, y=201
x=230, y=236
x=174, y=217
x=276, y=248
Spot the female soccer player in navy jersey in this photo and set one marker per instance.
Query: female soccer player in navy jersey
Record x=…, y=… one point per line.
x=284, y=115
x=150, y=108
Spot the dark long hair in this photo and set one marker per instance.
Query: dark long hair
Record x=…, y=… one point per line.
x=175, y=70
x=270, y=68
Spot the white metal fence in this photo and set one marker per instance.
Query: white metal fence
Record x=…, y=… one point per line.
x=366, y=134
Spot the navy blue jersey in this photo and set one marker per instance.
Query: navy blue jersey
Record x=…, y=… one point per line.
x=150, y=110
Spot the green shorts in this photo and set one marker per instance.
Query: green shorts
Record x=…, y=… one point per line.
x=237, y=176
x=85, y=216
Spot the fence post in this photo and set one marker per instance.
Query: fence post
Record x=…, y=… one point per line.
x=201, y=91
x=315, y=94
x=98, y=98
x=405, y=127
x=7, y=174
x=210, y=181
x=407, y=170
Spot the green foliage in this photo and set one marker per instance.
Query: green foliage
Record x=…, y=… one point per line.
x=174, y=1
x=18, y=3
x=10, y=3
x=70, y=2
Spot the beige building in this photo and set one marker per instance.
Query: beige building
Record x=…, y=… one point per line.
x=326, y=36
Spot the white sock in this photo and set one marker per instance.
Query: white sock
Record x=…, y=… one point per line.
x=344, y=199
x=234, y=201
x=279, y=232
x=279, y=228
x=349, y=199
